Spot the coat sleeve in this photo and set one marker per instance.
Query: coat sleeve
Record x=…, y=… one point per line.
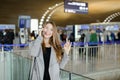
x=64, y=60
x=35, y=46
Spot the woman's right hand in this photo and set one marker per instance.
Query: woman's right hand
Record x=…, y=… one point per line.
x=40, y=32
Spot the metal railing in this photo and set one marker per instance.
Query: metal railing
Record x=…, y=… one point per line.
x=96, y=58
x=97, y=51
x=15, y=63
x=67, y=75
x=15, y=60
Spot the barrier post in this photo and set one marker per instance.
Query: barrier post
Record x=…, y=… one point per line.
x=86, y=45
x=69, y=76
x=115, y=53
x=2, y=54
x=73, y=51
x=3, y=63
x=86, y=52
x=115, y=49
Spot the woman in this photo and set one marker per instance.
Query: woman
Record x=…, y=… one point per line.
x=48, y=54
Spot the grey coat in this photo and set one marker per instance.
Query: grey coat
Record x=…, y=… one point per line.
x=37, y=70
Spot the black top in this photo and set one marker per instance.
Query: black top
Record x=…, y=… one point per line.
x=46, y=57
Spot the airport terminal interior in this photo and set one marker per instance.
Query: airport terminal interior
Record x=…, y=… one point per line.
x=92, y=26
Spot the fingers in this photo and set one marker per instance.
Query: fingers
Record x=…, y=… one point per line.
x=67, y=47
x=67, y=39
x=40, y=31
x=67, y=44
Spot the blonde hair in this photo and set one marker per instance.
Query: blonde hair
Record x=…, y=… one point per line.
x=54, y=41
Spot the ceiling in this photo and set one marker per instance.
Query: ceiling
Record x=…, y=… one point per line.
x=98, y=11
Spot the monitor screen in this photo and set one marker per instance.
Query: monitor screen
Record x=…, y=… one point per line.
x=75, y=7
x=112, y=27
x=85, y=27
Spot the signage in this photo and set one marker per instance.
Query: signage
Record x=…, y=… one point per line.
x=75, y=7
x=24, y=21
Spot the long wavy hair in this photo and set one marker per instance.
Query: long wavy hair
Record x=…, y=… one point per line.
x=54, y=41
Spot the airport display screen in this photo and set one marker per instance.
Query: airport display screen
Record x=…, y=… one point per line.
x=75, y=7
x=96, y=27
x=7, y=26
x=24, y=21
x=85, y=27
x=81, y=28
x=112, y=27
x=69, y=27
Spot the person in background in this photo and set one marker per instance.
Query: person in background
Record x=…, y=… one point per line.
x=87, y=36
x=112, y=36
x=93, y=43
x=104, y=35
x=1, y=36
x=10, y=38
x=82, y=40
x=109, y=37
x=59, y=35
x=93, y=37
x=32, y=35
x=71, y=37
x=48, y=54
x=118, y=35
x=5, y=39
x=63, y=36
x=98, y=30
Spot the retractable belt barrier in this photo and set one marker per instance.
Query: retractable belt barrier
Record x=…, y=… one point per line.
x=8, y=47
x=91, y=43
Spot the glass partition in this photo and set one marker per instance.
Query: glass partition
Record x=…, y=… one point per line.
x=66, y=75
x=15, y=65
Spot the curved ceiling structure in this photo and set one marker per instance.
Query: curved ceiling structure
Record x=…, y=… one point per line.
x=98, y=11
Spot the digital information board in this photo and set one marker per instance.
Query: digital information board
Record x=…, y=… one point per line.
x=75, y=7
x=24, y=21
